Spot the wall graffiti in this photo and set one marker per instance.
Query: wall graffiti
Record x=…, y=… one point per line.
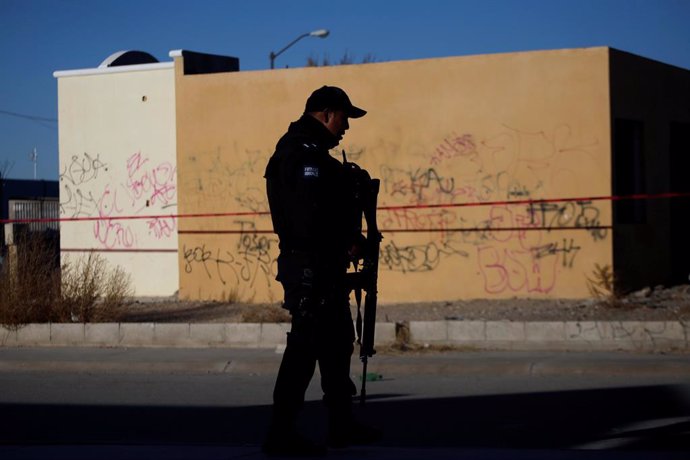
x=224, y=181
x=513, y=270
x=577, y=214
x=455, y=146
x=81, y=169
x=416, y=219
x=512, y=246
x=224, y=177
x=255, y=254
x=109, y=232
x=418, y=186
x=162, y=227
x=136, y=186
x=517, y=270
x=155, y=184
x=76, y=200
x=417, y=258
x=249, y=262
x=567, y=248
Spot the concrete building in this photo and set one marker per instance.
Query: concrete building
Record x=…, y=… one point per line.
x=462, y=145
x=118, y=158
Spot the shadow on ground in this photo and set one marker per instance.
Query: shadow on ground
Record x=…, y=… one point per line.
x=606, y=418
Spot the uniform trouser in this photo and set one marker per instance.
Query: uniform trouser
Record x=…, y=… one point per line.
x=322, y=335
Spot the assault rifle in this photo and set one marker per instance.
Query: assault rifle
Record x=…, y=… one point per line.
x=365, y=190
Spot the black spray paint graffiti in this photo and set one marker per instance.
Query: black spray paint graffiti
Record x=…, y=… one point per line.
x=254, y=253
x=417, y=258
x=252, y=199
x=251, y=261
x=568, y=249
x=78, y=172
x=418, y=186
x=76, y=203
x=200, y=255
x=577, y=214
x=82, y=169
x=481, y=188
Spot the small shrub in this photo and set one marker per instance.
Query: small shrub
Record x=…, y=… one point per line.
x=118, y=288
x=91, y=291
x=29, y=281
x=36, y=288
x=602, y=285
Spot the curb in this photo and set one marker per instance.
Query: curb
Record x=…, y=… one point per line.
x=479, y=335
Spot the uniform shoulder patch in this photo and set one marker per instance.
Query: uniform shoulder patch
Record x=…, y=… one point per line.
x=311, y=171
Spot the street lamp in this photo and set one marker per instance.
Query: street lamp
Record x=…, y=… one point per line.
x=321, y=33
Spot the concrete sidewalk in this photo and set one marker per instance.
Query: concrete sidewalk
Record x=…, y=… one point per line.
x=479, y=335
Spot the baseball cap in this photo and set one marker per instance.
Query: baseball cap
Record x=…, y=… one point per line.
x=332, y=97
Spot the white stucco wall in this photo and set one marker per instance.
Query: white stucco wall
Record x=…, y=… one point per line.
x=118, y=158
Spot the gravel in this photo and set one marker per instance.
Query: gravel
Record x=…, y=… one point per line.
x=649, y=304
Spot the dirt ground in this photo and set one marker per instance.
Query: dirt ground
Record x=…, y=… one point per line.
x=657, y=304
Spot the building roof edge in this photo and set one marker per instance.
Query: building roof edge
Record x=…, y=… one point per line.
x=110, y=70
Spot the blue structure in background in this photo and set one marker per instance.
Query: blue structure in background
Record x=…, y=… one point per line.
x=29, y=199
x=22, y=189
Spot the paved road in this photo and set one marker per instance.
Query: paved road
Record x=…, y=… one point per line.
x=158, y=403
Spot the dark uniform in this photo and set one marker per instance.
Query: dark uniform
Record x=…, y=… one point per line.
x=309, y=201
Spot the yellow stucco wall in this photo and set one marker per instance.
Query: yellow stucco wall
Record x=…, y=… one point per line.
x=476, y=129
x=117, y=158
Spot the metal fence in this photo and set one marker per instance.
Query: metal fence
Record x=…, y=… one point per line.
x=36, y=209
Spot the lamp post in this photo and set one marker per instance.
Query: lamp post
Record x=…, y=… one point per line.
x=321, y=33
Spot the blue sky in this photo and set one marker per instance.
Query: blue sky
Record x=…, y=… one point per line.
x=38, y=37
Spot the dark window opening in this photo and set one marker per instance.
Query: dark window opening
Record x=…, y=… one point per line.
x=629, y=171
x=679, y=149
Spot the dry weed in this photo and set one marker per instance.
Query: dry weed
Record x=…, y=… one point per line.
x=92, y=291
x=265, y=314
x=35, y=288
x=29, y=281
x=602, y=285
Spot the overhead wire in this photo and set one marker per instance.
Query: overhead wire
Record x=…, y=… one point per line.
x=43, y=121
